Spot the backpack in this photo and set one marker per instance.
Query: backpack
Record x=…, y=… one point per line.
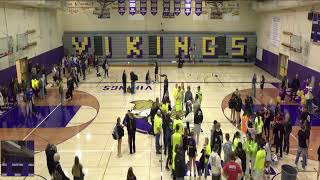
x=115, y=133
x=56, y=175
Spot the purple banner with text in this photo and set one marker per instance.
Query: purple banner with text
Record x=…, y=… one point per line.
x=132, y=7
x=187, y=8
x=121, y=7
x=143, y=7
x=198, y=7
x=177, y=7
x=154, y=7
x=166, y=7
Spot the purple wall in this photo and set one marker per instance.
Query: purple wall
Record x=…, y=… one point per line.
x=270, y=62
x=46, y=59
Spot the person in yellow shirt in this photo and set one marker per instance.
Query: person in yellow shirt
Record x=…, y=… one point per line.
x=207, y=151
x=165, y=107
x=176, y=138
x=178, y=104
x=235, y=141
x=259, y=125
x=177, y=122
x=259, y=164
x=157, y=129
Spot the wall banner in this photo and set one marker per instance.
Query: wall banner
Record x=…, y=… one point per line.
x=187, y=9
x=132, y=7
x=143, y=7
x=154, y=7
x=121, y=7
x=177, y=7
x=198, y=7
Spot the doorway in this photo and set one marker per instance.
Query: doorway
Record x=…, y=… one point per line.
x=283, y=65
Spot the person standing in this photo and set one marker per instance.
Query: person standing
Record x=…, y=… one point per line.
x=70, y=86
x=130, y=174
x=133, y=78
x=192, y=153
x=177, y=122
x=168, y=144
x=83, y=69
x=218, y=137
x=302, y=148
x=182, y=95
x=58, y=168
x=179, y=163
x=157, y=129
x=215, y=163
x=254, y=82
x=77, y=169
x=131, y=128
x=178, y=100
x=284, y=86
x=105, y=67
x=61, y=91
x=295, y=85
x=165, y=87
x=227, y=148
x=238, y=108
x=120, y=134
x=188, y=96
x=156, y=71
x=287, y=130
x=207, y=152
x=231, y=169
x=198, y=118
x=232, y=105
x=259, y=165
x=262, y=84
x=199, y=93
x=29, y=95
x=278, y=132
x=50, y=151
x=124, y=81
x=242, y=156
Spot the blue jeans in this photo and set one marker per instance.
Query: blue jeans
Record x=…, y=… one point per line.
x=309, y=104
x=29, y=108
x=158, y=142
x=304, y=156
x=133, y=87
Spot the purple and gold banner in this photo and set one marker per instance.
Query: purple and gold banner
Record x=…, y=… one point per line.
x=133, y=47
x=187, y=7
x=239, y=46
x=132, y=7
x=166, y=7
x=121, y=7
x=143, y=7
x=182, y=46
x=198, y=7
x=208, y=47
x=154, y=7
x=177, y=7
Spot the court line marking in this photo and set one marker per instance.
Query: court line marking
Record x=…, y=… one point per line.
x=41, y=122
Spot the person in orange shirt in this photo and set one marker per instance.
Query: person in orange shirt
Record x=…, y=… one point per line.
x=244, y=125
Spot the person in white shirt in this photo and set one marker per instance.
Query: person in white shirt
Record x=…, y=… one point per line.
x=215, y=163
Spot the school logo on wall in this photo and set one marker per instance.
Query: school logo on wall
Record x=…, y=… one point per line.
x=119, y=87
x=81, y=45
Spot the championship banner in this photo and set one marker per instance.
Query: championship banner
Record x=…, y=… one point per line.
x=143, y=7
x=154, y=7
x=177, y=7
x=132, y=7
x=187, y=9
x=121, y=7
x=166, y=7
x=198, y=7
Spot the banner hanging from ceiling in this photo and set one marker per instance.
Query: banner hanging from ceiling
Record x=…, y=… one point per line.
x=143, y=7
x=166, y=7
x=132, y=7
x=177, y=7
x=154, y=7
x=198, y=7
x=121, y=7
x=187, y=5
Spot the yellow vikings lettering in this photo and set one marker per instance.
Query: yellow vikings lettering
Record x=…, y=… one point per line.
x=238, y=49
x=133, y=46
x=182, y=46
x=208, y=46
x=80, y=46
x=158, y=46
x=106, y=45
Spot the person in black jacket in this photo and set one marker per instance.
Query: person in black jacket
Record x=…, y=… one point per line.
x=198, y=118
x=165, y=86
x=58, y=167
x=232, y=105
x=238, y=108
x=131, y=128
x=295, y=85
x=124, y=81
x=278, y=132
x=242, y=155
x=133, y=78
x=287, y=130
x=120, y=134
x=50, y=151
x=180, y=163
x=156, y=71
x=218, y=137
x=167, y=122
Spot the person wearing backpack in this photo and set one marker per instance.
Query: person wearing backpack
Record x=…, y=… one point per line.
x=58, y=173
x=77, y=169
x=119, y=133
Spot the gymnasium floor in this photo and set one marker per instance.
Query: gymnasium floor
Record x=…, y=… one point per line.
x=95, y=110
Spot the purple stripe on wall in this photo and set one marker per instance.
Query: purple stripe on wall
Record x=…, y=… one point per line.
x=46, y=59
x=270, y=62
